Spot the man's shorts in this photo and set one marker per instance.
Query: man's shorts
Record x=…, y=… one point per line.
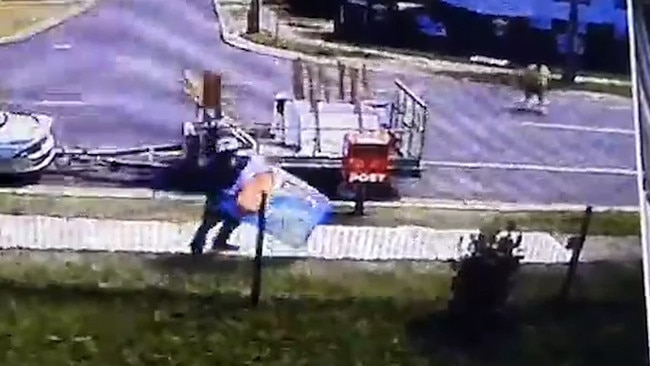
x=534, y=88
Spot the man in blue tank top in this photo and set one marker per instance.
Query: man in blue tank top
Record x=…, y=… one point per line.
x=230, y=172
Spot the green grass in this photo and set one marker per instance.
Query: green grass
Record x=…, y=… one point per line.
x=478, y=77
x=269, y=40
x=16, y=17
x=604, y=223
x=507, y=79
x=119, y=310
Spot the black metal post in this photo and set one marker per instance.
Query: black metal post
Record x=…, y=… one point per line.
x=359, y=199
x=575, y=244
x=256, y=285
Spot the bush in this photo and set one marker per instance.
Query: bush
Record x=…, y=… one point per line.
x=484, y=279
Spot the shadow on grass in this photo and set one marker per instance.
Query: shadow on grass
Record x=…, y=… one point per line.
x=605, y=324
x=366, y=329
x=213, y=263
x=587, y=333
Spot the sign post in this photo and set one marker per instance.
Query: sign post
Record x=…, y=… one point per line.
x=576, y=244
x=256, y=285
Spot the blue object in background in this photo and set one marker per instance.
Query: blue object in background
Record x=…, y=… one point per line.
x=428, y=26
x=620, y=27
x=543, y=23
x=595, y=12
x=562, y=44
x=582, y=28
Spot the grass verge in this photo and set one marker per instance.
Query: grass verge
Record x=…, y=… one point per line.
x=478, y=77
x=507, y=79
x=605, y=223
x=16, y=17
x=269, y=40
x=64, y=309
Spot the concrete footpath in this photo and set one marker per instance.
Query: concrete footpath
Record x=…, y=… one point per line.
x=327, y=242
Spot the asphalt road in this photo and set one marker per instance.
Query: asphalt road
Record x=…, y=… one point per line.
x=118, y=85
x=119, y=80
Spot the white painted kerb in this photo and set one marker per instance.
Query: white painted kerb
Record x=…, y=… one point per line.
x=327, y=242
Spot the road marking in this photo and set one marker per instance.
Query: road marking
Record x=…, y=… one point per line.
x=46, y=102
x=618, y=131
x=60, y=103
x=529, y=167
x=62, y=46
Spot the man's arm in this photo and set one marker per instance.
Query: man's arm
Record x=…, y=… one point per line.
x=250, y=197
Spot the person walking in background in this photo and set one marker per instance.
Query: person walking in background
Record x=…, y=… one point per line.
x=534, y=81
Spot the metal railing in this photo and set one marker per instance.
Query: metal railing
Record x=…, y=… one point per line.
x=410, y=113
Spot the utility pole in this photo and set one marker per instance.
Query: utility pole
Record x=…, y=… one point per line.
x=570, y=69
x=254, y=17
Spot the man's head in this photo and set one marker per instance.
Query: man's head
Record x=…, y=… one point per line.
x=222, y=167
x=227, y=145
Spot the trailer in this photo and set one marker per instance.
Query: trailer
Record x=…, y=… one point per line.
x=312, y=134
x=309, y=127
x=358, y=139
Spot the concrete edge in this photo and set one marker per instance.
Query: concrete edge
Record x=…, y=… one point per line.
x=234, y=39
x=48, y=23
x=424, y=203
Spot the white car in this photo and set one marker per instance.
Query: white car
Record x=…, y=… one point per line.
x=26, y=143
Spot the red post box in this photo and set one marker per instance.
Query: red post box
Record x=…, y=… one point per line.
x=366, y=157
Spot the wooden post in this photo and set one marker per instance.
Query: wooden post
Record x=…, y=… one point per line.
x=319, y=82
x=341, y=68
x=256, y=285
x=359, y=112
x=365, y=82
x=354, y=95
x=211, y=108
x=212, y=95
x=354, y=84
x=297, y=80
x=323, y=82
x=576, y=244
x=311, y=87
x=313, y=103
